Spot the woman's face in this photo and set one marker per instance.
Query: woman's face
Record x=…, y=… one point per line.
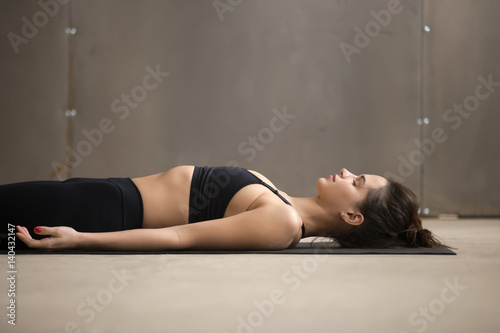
x=343, y=192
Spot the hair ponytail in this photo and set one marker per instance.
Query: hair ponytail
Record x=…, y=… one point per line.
x=425, y=238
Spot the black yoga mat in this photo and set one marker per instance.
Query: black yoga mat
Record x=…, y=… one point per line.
x=301, y=248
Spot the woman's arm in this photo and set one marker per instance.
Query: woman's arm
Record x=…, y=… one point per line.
x=126, y=240
x=131, y=240
x=269, y=227
x=264, y=228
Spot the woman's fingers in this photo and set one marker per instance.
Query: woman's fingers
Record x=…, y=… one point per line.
x=60, y=237
x=23, y=232
x=24, y=235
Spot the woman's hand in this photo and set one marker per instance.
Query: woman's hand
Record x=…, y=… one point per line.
x=60, y=238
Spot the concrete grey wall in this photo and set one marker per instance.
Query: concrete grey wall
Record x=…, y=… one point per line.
x=461, y=100
x=33, y=90
x=292, y=89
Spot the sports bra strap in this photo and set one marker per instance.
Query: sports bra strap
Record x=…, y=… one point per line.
x=275, y=192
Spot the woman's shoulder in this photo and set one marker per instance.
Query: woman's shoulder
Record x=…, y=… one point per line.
x=285, y=215
x=290, y=221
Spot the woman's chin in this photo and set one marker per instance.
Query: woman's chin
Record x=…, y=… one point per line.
x=321, y=182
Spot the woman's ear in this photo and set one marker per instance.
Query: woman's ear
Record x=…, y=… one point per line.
x=352, y=218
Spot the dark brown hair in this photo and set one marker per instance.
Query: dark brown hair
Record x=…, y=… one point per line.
x=390, y=220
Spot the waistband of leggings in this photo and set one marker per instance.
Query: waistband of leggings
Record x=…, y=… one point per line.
x=133, y=209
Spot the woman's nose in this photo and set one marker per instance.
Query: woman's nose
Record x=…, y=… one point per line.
x=344, y=173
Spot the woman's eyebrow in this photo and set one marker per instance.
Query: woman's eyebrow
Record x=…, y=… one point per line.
x=364, y=180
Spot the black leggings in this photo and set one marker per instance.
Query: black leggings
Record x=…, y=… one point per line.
x=85, y=204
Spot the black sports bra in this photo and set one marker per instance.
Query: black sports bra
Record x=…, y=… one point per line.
x=212, y=188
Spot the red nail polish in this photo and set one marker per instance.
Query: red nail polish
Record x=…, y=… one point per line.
x=37, y=230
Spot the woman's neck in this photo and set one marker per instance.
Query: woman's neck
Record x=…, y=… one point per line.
x=318, y=221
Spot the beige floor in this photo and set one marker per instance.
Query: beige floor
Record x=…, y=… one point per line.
x=265, y=293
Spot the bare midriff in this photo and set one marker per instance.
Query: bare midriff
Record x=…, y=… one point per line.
x=165, y=197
